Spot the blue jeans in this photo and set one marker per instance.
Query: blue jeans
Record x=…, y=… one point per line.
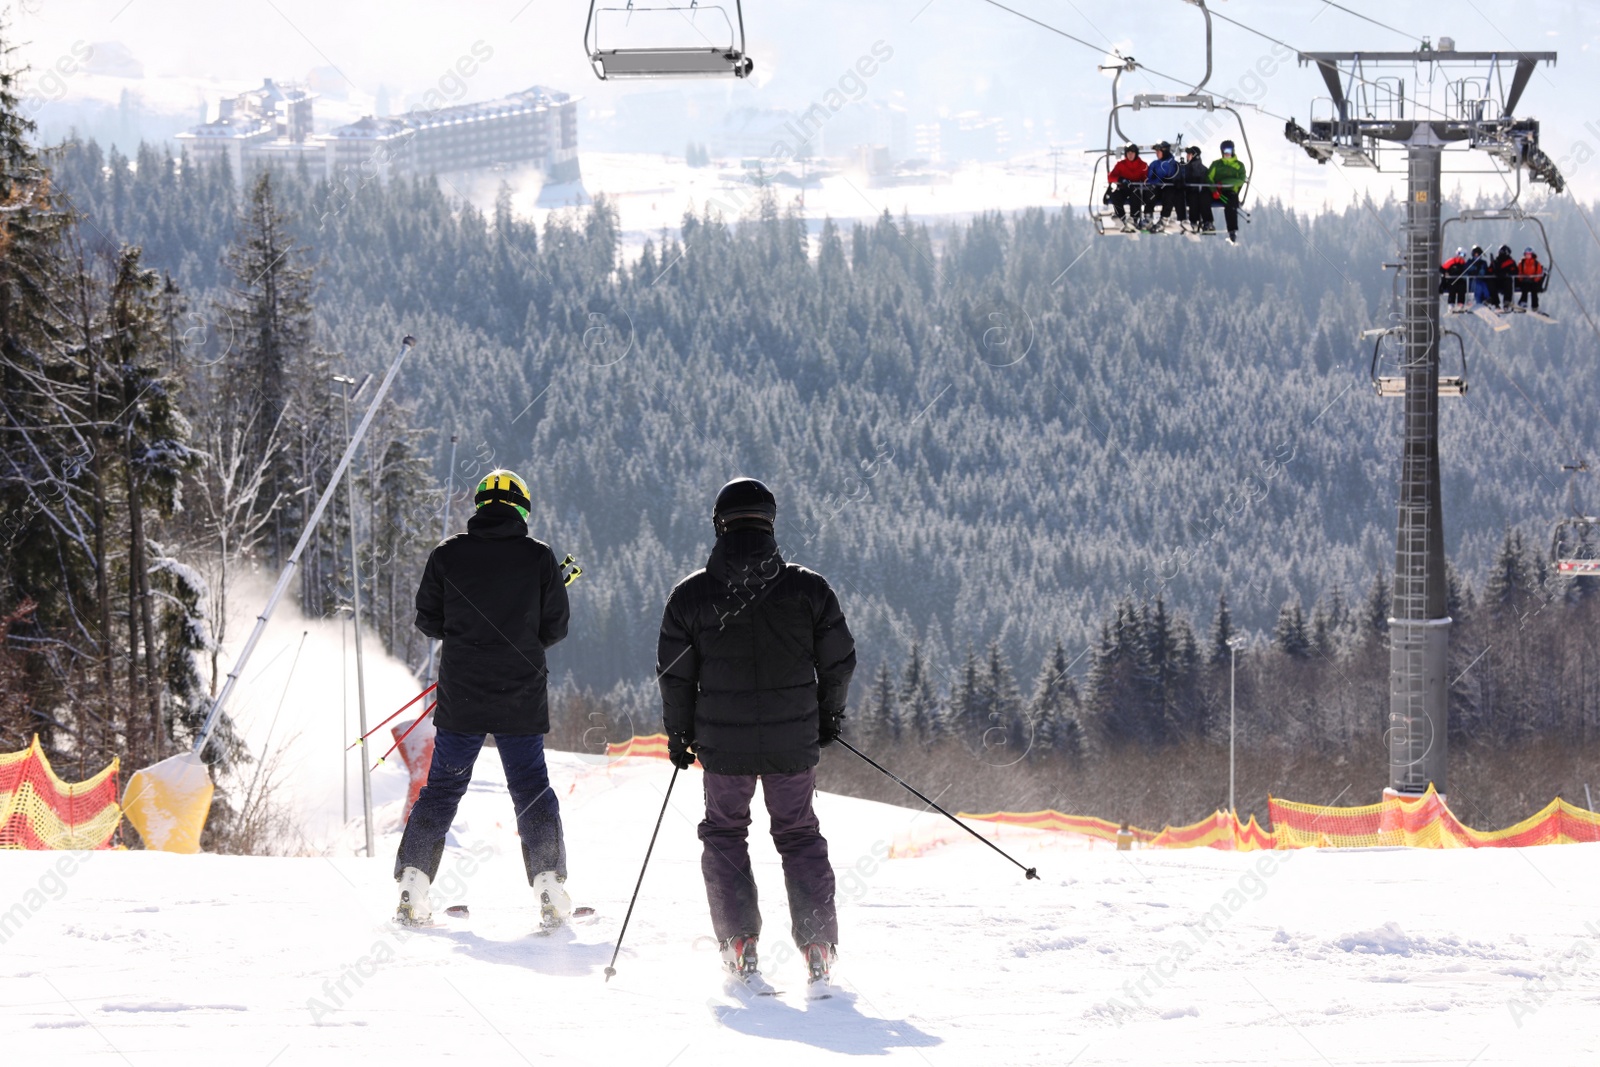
x=538, y=812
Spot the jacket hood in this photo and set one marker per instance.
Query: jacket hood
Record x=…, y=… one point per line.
x=745, y=555
x=497, y=521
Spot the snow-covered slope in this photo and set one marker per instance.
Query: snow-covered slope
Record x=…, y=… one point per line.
x=949, y=956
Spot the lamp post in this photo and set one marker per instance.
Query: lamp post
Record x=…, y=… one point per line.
x=345, y=382
x=1234, y=644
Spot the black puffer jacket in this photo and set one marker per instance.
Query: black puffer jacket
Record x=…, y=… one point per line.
x=496, y=597
x=753, y=653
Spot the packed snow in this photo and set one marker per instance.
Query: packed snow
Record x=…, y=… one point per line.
x=949, y=957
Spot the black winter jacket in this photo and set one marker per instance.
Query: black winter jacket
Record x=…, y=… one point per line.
x=753, y=653
x=497, y=599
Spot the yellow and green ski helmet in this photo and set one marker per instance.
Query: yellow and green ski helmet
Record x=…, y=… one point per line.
x=506, y=488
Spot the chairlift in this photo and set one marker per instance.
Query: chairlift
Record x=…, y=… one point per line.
x=1394, y=386
x=1501, y=321
x=1575, y=546
x=630, y=42
x=1106, y=223
x=1575, y=542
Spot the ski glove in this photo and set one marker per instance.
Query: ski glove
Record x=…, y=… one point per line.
x=678, y=751
x=829, y=729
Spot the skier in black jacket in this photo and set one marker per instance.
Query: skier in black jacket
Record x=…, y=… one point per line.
x=754, y=664
x=497, y=599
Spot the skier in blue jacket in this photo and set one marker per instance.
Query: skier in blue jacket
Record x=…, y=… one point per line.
x=1161, y=184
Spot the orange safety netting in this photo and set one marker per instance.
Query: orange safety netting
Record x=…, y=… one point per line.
x=653, y=746
x=1419, y=822
x=1424, y=821
x=40, y=811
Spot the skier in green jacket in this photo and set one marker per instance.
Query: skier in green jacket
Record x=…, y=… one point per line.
x=1227, y=180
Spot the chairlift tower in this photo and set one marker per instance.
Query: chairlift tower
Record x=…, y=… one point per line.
x=1456, y=102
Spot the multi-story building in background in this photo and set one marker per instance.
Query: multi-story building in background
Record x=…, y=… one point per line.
x=260, y=124
x=537, y=126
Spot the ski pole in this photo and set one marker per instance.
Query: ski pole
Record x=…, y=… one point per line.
x=362, y=739
x=402, y=737
x=1031, y=872
x=611, y=968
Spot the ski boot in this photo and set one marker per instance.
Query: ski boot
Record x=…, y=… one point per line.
x=740, y=961
x=414, y=909
x=820, y=956
x=555, y=906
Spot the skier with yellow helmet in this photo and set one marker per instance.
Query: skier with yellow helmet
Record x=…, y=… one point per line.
x=497, y=599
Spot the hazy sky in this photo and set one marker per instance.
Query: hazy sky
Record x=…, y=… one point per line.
x=948, y=56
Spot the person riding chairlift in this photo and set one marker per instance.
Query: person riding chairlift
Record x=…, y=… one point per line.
x=1227, y=178
x=1477, y=275
x=1161, y=185
x=1126, y=185
x=1503, y=280
x=1453, y=282
x=1196, y=178
x=1530, y=279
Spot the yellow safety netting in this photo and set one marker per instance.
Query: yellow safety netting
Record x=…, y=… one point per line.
x=40, y=811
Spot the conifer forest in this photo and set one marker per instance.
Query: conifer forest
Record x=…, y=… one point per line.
x=1050, y=477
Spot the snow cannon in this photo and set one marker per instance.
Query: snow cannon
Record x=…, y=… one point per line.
x=168, y=802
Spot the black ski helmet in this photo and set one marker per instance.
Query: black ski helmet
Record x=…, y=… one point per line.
x=1165, y=146
x=744, y=502
x=1477, y=250
x=1192, y=150
x=1130, y=147
x=1227, y=146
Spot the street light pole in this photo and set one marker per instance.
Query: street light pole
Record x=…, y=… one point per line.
x=345, y=383
x=1233, y=672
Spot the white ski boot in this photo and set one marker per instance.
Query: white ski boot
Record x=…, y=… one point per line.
x=555, y=906
x=743, y=967
x=414, y=909
x=820, y=957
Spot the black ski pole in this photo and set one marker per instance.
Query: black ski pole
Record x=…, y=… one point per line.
x=1031, y=872
x=611, y=968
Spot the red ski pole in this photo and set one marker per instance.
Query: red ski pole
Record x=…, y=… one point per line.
x=405, y=735
x=363, y=738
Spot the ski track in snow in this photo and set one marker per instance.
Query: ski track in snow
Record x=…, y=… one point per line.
x=949, y=958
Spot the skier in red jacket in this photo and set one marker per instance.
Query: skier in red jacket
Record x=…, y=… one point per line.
x=1126, y=185
x=1530, y=279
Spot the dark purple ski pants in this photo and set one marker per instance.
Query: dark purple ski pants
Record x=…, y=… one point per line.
x=730, y=886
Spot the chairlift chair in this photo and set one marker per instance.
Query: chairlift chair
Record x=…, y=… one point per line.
x=627, y=42
x=1106, y=223
x=1394, y=386
x=1575, y=546
x=1507, y=214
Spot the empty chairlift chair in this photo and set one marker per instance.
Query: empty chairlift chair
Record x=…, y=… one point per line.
x=1394, y=386
x=642, y=40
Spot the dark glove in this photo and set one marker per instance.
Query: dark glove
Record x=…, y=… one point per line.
x=829, y=728
x=678, y=751
x=1107, y=198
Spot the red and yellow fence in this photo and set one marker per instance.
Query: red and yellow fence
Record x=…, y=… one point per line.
x=1425, y=821
x=1417, y=822
x=40, y=811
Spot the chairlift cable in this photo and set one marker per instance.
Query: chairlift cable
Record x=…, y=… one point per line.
x=1298, y=51
x=1097, y=49
x=1375, y=22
